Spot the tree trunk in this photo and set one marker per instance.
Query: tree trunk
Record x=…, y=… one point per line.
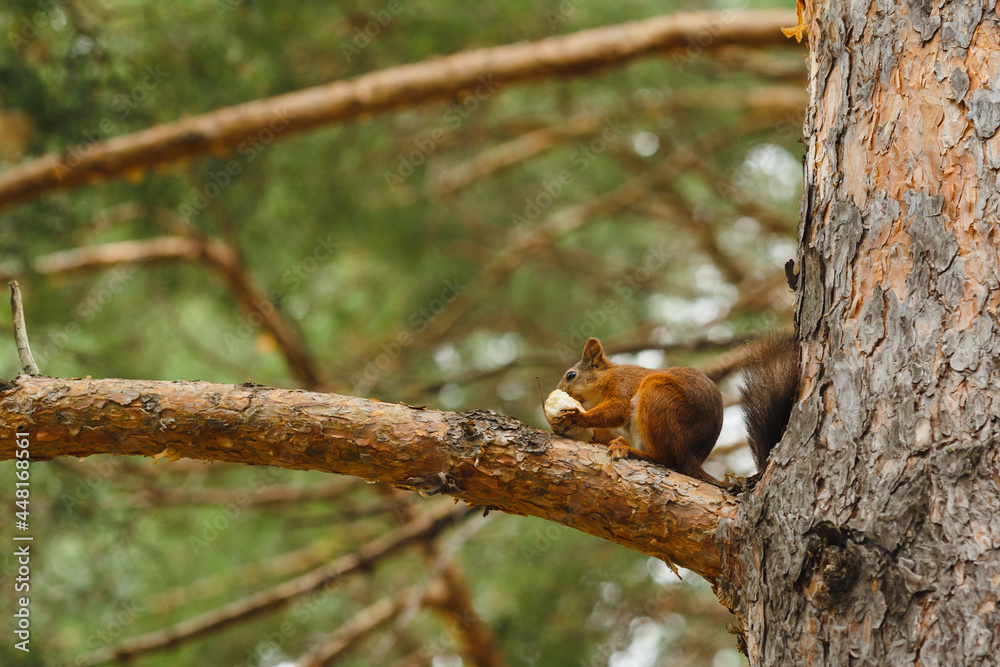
x=873, y=536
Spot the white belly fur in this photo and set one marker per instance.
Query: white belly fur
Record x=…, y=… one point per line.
x=631, y=433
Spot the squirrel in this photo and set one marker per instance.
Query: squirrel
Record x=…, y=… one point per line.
x=673, y=416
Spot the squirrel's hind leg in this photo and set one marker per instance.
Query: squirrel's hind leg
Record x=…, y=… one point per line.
x=620, y=449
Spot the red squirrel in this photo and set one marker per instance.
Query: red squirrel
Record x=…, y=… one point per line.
x=673, y=416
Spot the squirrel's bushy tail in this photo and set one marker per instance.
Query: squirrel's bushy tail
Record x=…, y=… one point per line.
x=769, y=389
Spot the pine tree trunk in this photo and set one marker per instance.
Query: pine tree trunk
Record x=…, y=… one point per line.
x=874, y=535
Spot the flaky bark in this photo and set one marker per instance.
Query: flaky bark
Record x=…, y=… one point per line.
x=480, y=72
x=480, y=457
x=874, y=535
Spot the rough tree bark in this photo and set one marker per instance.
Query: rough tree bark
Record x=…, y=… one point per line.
x=874, y=535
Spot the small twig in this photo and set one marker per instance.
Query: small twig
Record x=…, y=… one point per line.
x=28, y=364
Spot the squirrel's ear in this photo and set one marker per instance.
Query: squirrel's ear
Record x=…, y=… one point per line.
x=593, y=353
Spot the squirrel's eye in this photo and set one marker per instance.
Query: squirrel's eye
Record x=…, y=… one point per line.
x=570, y=375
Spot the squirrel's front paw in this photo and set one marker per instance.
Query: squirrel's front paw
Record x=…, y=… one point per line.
x=561, y=410
x=565, y=420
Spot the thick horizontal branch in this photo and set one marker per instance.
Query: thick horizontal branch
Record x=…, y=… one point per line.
x=481, y=457
x=479, y=72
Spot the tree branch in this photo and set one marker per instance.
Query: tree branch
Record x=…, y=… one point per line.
x=478, y=643
x=320, y=579
x=276, y=567
x=480, y=457
x=222, y=130
x=216, y=254
x=510, y=153
x=525, y=243
x=106, y=255
x=360, y=627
